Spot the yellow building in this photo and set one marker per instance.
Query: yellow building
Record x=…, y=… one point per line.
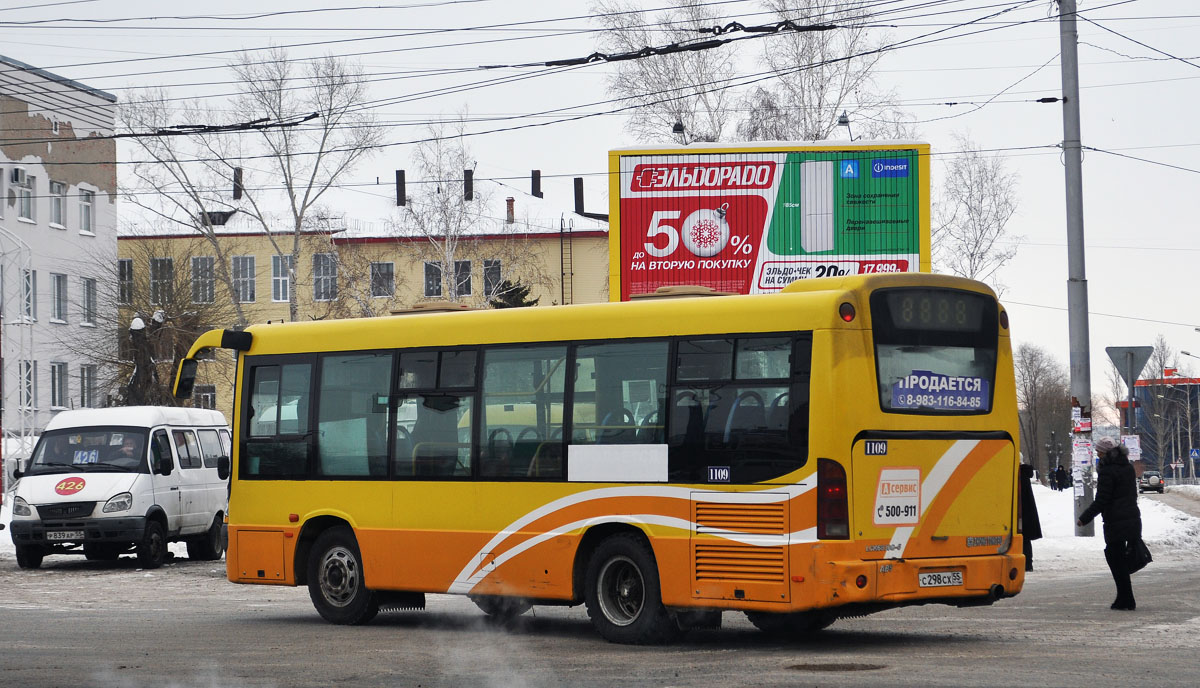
x=348, y=269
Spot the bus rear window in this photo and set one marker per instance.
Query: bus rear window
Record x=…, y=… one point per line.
x=935, y=350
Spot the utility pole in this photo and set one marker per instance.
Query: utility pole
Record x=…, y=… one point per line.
x=1077, y=298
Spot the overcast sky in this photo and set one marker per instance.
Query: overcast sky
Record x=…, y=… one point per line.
x=1140, y=77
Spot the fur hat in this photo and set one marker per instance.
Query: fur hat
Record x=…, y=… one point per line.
x=1106, y=444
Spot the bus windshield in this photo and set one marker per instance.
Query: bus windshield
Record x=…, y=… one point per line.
x=935, y=350
x=91, y=449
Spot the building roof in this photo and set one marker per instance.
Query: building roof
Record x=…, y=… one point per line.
x=60, y=79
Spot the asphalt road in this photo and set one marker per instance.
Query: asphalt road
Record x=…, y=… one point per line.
x=77, y=623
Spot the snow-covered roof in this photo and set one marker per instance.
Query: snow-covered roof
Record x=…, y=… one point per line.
x=531, y=215
x=136, y=416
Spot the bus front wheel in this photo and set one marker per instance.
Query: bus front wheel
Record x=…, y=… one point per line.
x=335, y=579
x=623, y=597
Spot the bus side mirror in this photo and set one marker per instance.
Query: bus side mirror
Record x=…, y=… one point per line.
x=223, y=467
x=163, y=465
x=186, y=378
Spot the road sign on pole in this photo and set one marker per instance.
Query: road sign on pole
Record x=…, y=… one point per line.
x=1129, y=361
x=1194, y=454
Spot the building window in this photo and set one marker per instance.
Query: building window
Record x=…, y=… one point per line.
x=383, y=279
x=324, y=277
x=25, y=198
x=58, y=385
x=28, y=392
x=462, y=277
x=87, y=386
x=125, y=281
x=433, y=279
x=203, y=279
x=29, y=294
x=491, y=277
x=58, y=307
x=162, y=276
x=58, y=204
x=243, y=278
x=89, y=301
x=204, y=396
x=281, y=278
x=87, y=201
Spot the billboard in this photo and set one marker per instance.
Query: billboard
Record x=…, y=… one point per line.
x=751, y=218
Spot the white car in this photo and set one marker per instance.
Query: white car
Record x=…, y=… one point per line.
x=103, y=482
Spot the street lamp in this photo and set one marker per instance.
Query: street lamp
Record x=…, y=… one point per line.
x=844, y=121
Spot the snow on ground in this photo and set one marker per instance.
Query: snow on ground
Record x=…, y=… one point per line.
x=1170, y=533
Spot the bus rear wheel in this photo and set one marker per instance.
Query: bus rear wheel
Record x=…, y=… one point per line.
x=624, y=600
x=336, y=582
x=793, y=624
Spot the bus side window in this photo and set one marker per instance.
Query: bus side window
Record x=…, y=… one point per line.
x=351, y=421
x=523, y=390
x=619, y=390
x=276, y=440
x=737, y=405
x=210, y=446
x=160, y=449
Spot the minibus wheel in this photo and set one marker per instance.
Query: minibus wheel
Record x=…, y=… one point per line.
x=336, y=582
x=152, y=550
x=623, y=596
x=29, y=556
x=208, y=546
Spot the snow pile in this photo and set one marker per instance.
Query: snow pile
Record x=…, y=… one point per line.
x=1168, y=532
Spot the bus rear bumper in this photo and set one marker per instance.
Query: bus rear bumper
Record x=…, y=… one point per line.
x=961, y=581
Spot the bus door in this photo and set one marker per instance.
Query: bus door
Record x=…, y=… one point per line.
x=933, y=494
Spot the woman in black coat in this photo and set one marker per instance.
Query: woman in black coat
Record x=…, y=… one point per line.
x=1116, y=500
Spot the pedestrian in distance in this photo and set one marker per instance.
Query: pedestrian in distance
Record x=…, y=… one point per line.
x=1116, y=502
x=1060, y=476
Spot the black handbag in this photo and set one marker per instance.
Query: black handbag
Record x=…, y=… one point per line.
x=1137, y=555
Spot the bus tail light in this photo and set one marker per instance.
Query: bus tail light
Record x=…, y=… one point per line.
x=846, y=311
x=833, y=513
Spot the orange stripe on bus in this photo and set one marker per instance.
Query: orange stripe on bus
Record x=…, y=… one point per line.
x=974, y=462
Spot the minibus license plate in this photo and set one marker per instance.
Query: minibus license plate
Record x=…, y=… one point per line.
x=941, y=579
x=64, y=535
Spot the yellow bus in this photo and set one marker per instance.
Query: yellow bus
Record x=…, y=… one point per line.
x=842, y=447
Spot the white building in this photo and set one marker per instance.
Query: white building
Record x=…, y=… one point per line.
x=58, y=243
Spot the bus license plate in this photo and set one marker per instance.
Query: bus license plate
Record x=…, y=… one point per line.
x=941, y=579
x=64, y=535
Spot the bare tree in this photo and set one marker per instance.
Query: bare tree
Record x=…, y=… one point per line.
x=1044, y=403
x=820, y=75
x=136, y=363
x=684, y=87
x=970, y=222
x=305, y=129
x=454, y=229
